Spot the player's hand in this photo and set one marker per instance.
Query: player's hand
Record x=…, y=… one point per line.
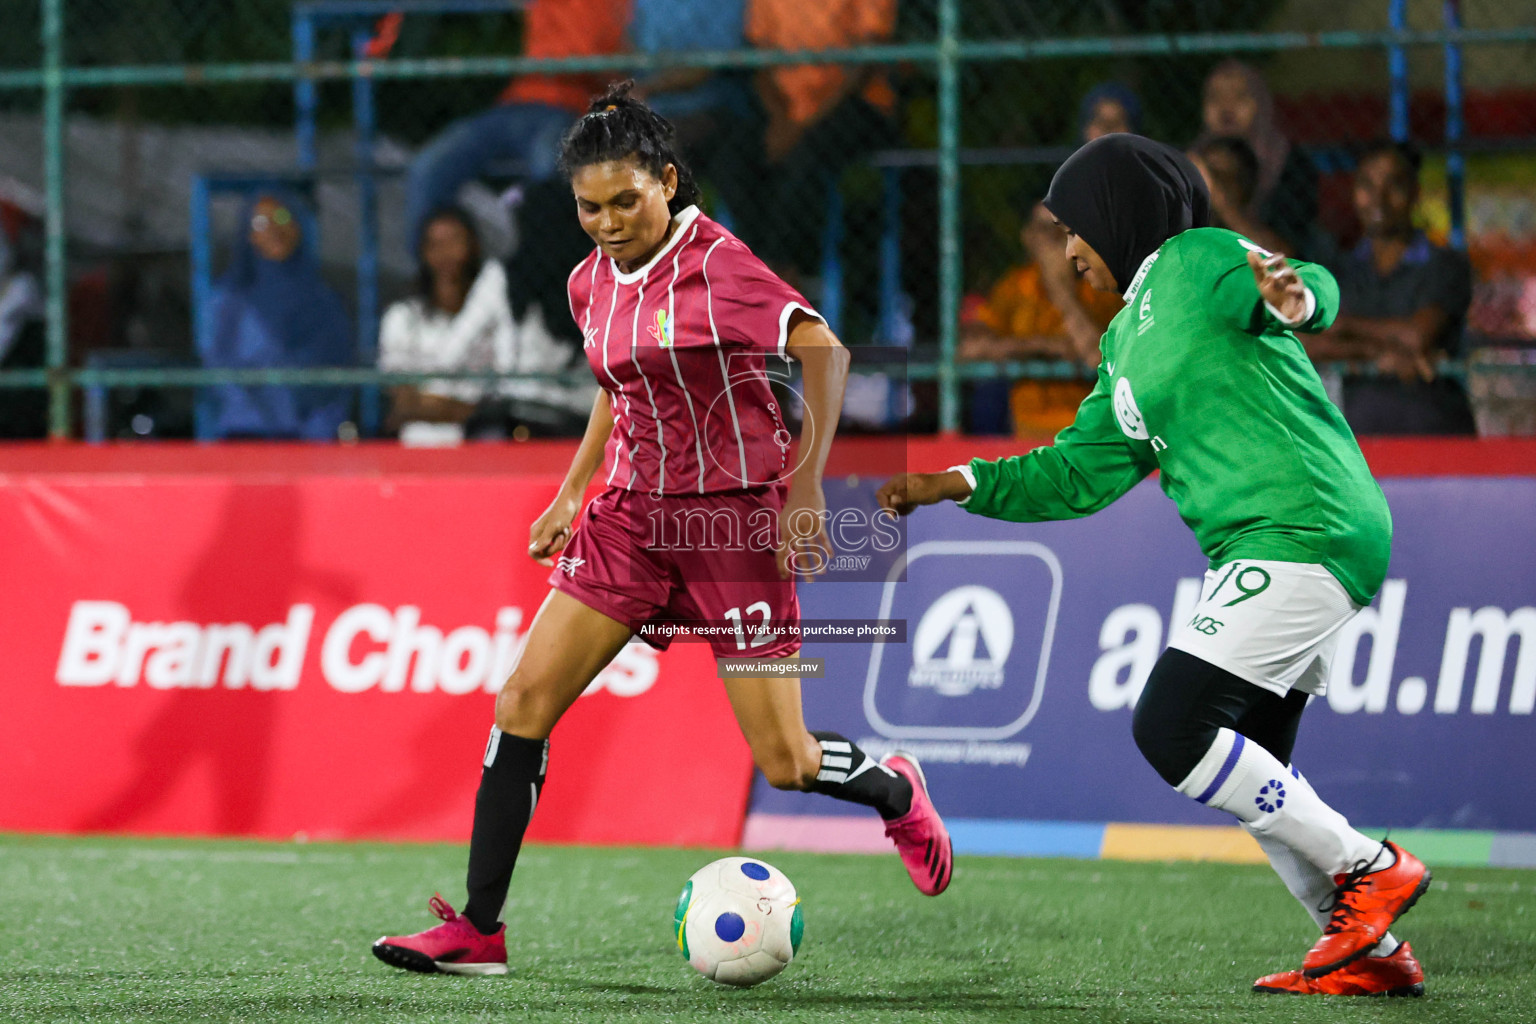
x=804, y=549
x=549, y=532
x=1280, y=286
x=906, y=491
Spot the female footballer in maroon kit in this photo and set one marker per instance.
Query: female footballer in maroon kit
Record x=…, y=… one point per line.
x=704, y=520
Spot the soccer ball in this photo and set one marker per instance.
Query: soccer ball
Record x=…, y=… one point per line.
x=738, y=921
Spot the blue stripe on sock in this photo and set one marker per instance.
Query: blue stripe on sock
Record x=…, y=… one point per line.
x=1226, y=769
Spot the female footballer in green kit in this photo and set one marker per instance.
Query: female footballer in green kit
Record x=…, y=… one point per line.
x=1204, y=380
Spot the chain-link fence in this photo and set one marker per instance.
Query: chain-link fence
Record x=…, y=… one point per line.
x=885, y=156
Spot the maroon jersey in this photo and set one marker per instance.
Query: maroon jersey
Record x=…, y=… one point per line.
x=685, y=347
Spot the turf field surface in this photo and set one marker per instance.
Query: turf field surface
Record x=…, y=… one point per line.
x=119, y=930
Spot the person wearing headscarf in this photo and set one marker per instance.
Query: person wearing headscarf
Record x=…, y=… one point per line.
x=271, y=309
x=1108, y=107
x=1204, y=381
x=1237, y=103
x=1041, y=309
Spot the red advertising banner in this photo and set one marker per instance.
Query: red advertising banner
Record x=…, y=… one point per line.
x=280, y=639
x=274, y=651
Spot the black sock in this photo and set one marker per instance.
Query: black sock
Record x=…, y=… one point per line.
x=510, y=782
x=848, y=773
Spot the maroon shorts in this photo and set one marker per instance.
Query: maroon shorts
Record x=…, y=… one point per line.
x=702, y=562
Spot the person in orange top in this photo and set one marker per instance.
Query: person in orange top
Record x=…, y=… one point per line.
x=531, y=114
x=1042, y=309
x=1017, y=321
x=821, y=117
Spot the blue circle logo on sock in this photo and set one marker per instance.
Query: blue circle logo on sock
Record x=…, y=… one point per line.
x=1271, y=797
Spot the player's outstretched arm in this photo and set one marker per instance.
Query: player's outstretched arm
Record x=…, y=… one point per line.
x=549, y=532
x=824, y=372
x=1090, y=465
x=906, y=491
x=1275, y=290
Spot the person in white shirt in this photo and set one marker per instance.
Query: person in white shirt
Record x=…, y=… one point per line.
x=458, y=320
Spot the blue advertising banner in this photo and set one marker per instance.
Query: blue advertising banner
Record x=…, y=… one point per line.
x=1028, y=644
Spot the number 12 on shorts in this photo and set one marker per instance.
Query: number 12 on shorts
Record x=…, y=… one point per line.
x=759, y=638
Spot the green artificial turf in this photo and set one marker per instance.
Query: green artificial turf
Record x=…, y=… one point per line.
x=169, y=930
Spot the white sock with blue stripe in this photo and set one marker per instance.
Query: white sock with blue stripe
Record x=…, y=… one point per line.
x=1245, y=780
x=1305, y=881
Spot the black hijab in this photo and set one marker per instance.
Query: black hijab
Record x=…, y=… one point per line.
x=1125, y=195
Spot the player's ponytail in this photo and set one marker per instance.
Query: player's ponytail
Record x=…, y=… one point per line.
x=617, y=126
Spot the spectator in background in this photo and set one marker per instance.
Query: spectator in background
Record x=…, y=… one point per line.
x=1019, y=321
x=716, y=115
x=1231, y=172
x=1237, y=103
x=1042, y=309
x=271, y=309
x=23, y=345
x=459, y=319
x=548, y=340
x=820, y=119
x=1108, y=107
x=1402, y=306
x=531, y=114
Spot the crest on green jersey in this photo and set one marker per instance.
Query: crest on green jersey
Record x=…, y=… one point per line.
x=1127, y=414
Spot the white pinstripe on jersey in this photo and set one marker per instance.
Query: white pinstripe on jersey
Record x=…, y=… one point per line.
x=613, y=303
x=634, y=358
x=709, y=292
x=698, y=437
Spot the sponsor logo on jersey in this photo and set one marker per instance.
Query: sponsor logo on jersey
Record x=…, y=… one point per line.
x=1127, y=413
x=962, y=642
x=1144, y=313
x=589, y=336
x=1141, y=275
x=569, y=565
x=1132, y=424
x=661, y=330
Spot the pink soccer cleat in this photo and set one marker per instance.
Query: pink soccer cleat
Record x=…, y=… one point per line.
x=920, y=835
x=453, y=947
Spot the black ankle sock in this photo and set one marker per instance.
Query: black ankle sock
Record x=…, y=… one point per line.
x=510, y=782
x=848, y=773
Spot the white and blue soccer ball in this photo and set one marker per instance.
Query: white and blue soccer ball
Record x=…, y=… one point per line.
x=738, y=921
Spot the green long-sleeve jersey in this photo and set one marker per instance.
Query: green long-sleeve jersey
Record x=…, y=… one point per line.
x=1200, y=381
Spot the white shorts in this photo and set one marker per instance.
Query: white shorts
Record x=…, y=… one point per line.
x=1275, y=624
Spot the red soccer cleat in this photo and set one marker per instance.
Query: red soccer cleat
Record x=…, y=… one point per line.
x=1395, y=975
x=453, y=947
x=1365, y=903
x=920, y=835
